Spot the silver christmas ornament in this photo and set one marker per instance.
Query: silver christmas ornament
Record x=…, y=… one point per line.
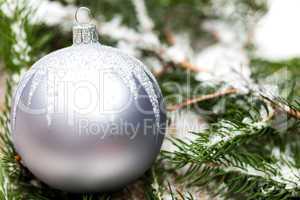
x=88, y=117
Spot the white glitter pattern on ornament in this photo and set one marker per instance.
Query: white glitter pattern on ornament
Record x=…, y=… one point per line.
x=37, y=78
x=100, y=58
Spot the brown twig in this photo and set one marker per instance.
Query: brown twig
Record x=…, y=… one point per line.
x=187, y=65
x=163, y=70
x=285, y=108
x=289, y=110
x=158, y=53
x=169, y=37
x=202, y=98
x=184, y=65
x=18, y=158
x=168, y=64
x=292, y=112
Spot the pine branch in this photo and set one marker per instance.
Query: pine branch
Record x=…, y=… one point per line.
x=153, y=188
x=218, y=154
x=14, y=47
x=245, y=181
x=241, y=174
x=20, y=41
x=214, y=144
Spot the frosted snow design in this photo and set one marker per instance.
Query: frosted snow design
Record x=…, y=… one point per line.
x=99, y=58
x=37, y=78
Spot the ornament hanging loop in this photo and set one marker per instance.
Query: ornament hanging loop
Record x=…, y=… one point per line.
x=84, y=32
x=83, y=10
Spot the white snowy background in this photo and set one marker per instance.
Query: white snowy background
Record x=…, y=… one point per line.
x=277, y=33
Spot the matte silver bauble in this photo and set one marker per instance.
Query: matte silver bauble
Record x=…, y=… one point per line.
x=88, y=117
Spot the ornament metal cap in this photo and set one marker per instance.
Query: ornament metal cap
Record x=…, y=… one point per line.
x=84, y=32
